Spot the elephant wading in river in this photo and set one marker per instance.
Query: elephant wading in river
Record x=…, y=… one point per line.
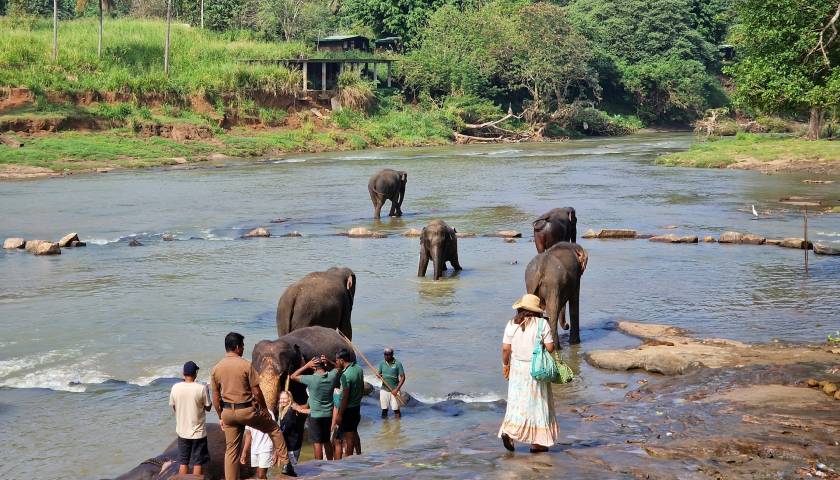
x=275, y=360
x=165, y=465
x=438, y=243
x=556, y=225
x=387, y=185
x=554, y=276
x=320, y=298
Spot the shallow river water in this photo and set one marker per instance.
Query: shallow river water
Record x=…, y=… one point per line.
x=92, y=339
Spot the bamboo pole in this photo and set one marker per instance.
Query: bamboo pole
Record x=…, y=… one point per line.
x=55, y=31
x=384, y=382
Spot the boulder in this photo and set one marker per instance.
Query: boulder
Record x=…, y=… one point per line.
x=617, y=233
x=412, y=232
x=257, y=232
x=751, y=239
x=465, y=235
x=773, y=241
x=731, y=237
x=798, y=243
x=167, y=237
x=362, y=232
x=812, y=383
x=279, y=220
x=134, y=243
x=590, y=234
x=47, y=248
x=709, y=239
x=821, y=249
x=671, y=238
x=505, y=234
x=293, y=234
x=14, y=242
x=32, y=245
x=829, y=389
x=65, y=240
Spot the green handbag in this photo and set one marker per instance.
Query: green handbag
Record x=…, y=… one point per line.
x=543, y=365
x=564, y=372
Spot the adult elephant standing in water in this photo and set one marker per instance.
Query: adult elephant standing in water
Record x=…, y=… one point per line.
x=554, y=276
x=438, y=243
x=556, y=225
x=320, y=298
x=387, y=185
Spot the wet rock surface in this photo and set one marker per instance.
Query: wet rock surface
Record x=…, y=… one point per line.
x=13, y=243
x=669, y=351
x=257, y=232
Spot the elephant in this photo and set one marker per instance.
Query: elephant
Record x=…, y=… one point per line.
x=165, y=465
x=556, y=225
x=275, y=360
x=319, y=298
x=438, y=243
x=554, y=276
x=387, y=185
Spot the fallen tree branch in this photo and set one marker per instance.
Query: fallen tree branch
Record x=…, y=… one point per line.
x=478, y=126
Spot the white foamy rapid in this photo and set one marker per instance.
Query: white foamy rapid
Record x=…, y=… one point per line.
x=430, y=399
x=172, y=371
x=53, y=370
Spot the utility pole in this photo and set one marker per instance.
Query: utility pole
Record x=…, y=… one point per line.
x=202, y=14
x=55, y=31
x=166, y=48
x=99, y=46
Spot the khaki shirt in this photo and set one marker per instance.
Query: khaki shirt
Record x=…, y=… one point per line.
x=234, y=376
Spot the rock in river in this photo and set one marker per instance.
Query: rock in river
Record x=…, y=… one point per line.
x=505, y=234
x=731, y=237
x=135, y=243
x=257, y=232
x=47, y=248
x=617, y=233
x=14, y=242
x=753, y=239
x=671, y=238
x=821, y=249
x=412, y=232
x=70, y=237
x=798, y=243
x=362, y=232
x=709, y=239
x=590, y=234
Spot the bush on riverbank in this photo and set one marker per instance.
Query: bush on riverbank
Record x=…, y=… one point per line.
x=746, y=147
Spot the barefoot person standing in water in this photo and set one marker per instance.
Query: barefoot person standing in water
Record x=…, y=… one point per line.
x=239, y=402
x=529, y=417
x=392, y=374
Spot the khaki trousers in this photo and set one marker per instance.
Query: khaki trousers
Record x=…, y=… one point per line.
x=235, y=422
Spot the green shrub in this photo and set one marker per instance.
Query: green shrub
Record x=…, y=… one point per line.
x=472, y=109
x=117, y=111
x=591, y=121
x=272, y=117
x=346, y=118
x=354, y=92
x=774, y=124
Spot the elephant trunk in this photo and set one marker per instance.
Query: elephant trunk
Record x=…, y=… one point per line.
x=270, y=386
x=437, y=258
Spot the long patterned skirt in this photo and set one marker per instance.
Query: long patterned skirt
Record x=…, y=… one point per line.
x=530, y=408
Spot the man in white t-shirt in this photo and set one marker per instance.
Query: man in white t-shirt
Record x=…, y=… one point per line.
x=190, y=401
x=261, y=449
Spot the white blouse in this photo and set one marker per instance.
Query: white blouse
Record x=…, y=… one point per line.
x=522, y=342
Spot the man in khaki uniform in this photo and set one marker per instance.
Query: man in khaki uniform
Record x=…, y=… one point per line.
x=239, y=402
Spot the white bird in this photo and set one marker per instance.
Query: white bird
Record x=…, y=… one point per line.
x=755, y=214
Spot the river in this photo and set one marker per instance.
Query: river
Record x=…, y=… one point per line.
x=93, y=338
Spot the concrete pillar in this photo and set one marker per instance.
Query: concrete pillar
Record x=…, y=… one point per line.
x=389, y=75
x=323, y=76
x=305, y=74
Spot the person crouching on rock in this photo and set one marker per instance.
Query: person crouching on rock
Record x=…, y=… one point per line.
x=190, y=401
x=320, y=386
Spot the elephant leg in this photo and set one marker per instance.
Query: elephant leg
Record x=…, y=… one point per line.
x=377, y=206
x=454, y=261
x=574, y=315
x=345, y=326
x=424, y=262
x=439, y=264
x=393, y=212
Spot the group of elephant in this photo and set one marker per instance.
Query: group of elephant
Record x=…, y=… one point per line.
x=313, y=313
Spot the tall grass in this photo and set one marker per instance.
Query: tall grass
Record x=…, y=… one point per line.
x=132, y=60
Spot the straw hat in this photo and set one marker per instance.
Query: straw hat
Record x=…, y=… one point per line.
x=528, y=302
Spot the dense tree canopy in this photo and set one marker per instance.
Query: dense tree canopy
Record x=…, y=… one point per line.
x=788, y=60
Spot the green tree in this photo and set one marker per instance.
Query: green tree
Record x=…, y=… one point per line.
x=651, y=53
x=550, y=60
x=402, y=18
x=293, y=19
x=788, y=57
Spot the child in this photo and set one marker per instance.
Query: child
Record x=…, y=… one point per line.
x=261, y=449
x=190, y=401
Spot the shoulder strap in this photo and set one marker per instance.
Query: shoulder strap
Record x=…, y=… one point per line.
x=539, y=333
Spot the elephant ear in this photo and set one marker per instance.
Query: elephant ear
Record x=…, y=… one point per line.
x=349, y=282
x=582, y=257
x=539, y=224
x=572, y=215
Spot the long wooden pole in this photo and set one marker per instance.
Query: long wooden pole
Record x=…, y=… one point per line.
x=384, y=382
x=166, y=49
x=806, y=239
x=55, y=30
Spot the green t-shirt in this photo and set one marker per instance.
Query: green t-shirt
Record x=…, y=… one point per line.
x=391, y=372
x=320, y=393
x=353, y=379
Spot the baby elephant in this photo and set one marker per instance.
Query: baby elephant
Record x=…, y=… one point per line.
x=439, y=244
x=387, y=185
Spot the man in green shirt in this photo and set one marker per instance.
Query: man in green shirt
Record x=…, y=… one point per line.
x=393, y=376
x=349, y=412
x=320, y=386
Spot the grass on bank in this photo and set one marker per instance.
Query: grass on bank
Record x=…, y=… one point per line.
x=132, y=59
x=720, y=153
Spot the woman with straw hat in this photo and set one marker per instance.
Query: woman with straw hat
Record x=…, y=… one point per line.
x=529, y=417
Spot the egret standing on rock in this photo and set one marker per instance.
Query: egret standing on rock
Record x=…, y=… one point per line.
x=755, y=214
